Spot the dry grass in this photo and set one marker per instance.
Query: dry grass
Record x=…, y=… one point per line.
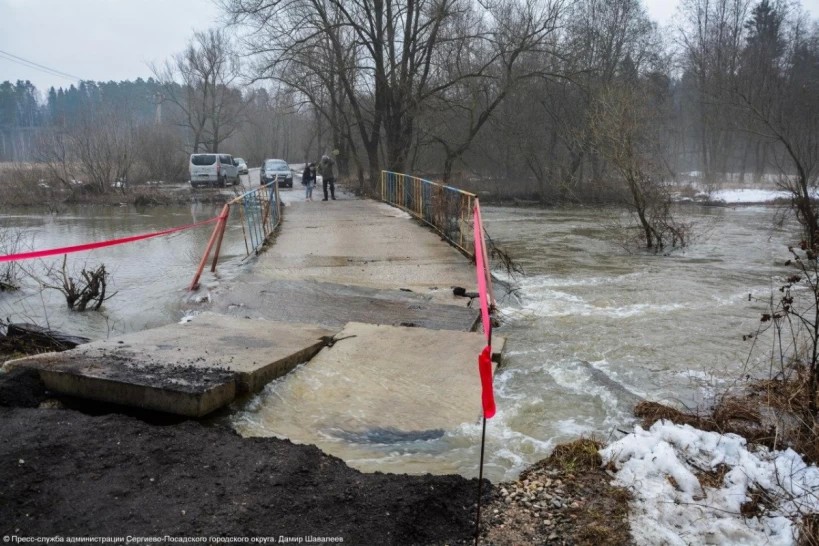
x=651, y=412
x=809, y=531
x=791, y=422
x=714, y=478
x=582, y=454
x=577, y=456
x=738, y=414
x=758, y=505
x=31, y=185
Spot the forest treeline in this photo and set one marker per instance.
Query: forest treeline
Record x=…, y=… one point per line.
x=551, y=100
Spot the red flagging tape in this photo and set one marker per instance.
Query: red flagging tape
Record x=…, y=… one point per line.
x=100, y=244
x=487, y=391
x=482, y=269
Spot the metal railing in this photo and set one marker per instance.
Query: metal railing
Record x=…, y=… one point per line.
x=260, y=211
x=446, y=209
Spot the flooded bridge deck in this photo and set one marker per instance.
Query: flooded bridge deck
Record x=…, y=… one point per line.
x=349, y=286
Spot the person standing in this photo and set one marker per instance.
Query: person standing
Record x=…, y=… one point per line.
x=308, y=180
x=326, y=169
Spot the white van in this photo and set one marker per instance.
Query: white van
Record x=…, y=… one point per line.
x=213, y=170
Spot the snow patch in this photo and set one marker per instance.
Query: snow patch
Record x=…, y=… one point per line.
x=670, y=506
x=749, y=196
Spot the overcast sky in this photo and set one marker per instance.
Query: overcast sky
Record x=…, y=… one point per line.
x=116, y=39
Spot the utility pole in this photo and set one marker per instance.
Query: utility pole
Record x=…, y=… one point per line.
x=159, y=98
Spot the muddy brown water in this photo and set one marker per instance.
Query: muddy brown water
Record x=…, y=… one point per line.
x=589, y=328
x=148, y=278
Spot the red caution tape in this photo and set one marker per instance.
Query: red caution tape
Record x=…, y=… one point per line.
x=482, y=271
x=100, y=244
x=487, y=393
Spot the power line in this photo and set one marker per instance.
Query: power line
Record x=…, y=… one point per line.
x=36, y=66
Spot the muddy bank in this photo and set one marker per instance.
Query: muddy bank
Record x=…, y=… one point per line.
x=72, y=474
x=65, y=472
x=99, y=472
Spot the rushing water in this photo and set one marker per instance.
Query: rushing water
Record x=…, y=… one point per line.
x=589, y=327
x=594, y=324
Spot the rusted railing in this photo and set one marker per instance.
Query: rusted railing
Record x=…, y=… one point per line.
x=448, y=210
x=260, y=212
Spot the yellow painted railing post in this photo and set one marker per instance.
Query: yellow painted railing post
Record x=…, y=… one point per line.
x=414, y=200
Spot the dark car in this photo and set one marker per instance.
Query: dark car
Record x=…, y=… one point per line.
x=273, y=168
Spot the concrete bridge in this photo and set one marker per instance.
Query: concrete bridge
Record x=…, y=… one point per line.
x=350, y=287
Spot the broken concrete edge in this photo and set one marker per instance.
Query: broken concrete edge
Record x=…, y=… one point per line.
x=175, y=394
x=175, y=398
x=189, y=404
x=248, y=383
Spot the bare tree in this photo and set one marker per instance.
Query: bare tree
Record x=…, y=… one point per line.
x=97, y=149
x=486, y=70
x=83, y=290
x=160, y=152
x=277, y=124
x=380, y=63
x=304, y=46
x=777, y=88
x=621, y=124
x=712, y=37
x=12, y=241
x=199, y=81
x=103, y=145
x=53, y=153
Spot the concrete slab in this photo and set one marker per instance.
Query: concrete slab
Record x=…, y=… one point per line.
x=365, y=243
x=187, y=369
x=379, y=384
x=333, y=305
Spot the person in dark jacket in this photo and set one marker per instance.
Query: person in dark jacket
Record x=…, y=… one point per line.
x=326, y=168
x=308, y=180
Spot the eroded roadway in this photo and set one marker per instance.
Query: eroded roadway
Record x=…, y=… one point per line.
x=351, y=286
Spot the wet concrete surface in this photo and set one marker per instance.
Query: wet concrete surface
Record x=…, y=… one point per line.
x=380, y=384
x=361, y=242
x=353, y=260
x=331, y=263
x=186, y=369
x=333, y=305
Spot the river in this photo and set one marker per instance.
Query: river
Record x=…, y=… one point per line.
x=150, y=277
x=590, y=327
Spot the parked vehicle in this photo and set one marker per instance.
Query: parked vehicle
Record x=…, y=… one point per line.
x=242, y=164
x=272, y=168
x=213, y=170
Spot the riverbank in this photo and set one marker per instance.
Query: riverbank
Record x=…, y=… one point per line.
x=27, y=188
x=76, y=468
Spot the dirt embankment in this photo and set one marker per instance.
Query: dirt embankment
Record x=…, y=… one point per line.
x=73, y=468
x=69, y=473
